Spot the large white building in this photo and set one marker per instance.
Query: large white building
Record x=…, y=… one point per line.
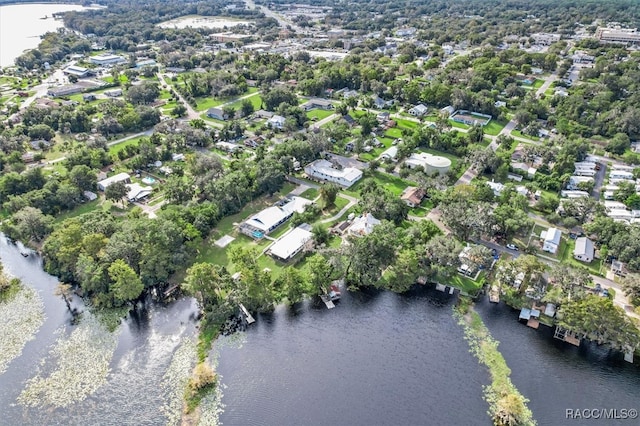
x=267, y=220
x=120, y=177
x=290, y=244
x=107, y=59
x=618, y=35
x=431, y=163
x=324, y=170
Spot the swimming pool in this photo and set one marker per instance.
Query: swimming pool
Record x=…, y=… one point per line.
x=148, y=180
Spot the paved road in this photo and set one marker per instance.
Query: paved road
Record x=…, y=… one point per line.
x=192, y=114
x=547, y=83
x=270, y=14
x=598, y=181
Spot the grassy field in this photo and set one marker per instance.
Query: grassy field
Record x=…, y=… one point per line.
x=463, y=283
x=310, y=194
x=115, y=149
x=594, y=267
x=457, y=125
x=81, y=209
x=538, y=83
x=318, y=114
x=255, y=99
x=519, y=134
x=494, y=127
x=394, y=184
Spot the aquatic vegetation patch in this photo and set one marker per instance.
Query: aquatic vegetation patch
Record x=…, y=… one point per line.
x=507, y=406
x=21, y=315
x=80, y=366
x=175, y=380
x=211, y=405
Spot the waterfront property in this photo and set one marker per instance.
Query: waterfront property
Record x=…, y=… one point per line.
x=291, y=243
x=326, y=171
x=267, y=220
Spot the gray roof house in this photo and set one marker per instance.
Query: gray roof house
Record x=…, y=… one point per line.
x=584, y=250
x=216, y=113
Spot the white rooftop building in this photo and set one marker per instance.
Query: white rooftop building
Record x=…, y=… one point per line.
x=391, y=153
x=430, y=163
x=276, y=122
x=551, y=240
x=120, y=177
x=137, y=192
x=363, y=225
x=324, y=170
x=584, y=250
x=107, y=59
x=267, y=220
x=290, y=244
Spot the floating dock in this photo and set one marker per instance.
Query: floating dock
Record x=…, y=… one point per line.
x=327, y=301
x=247, y=315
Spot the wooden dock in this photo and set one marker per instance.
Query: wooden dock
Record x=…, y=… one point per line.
x=567, y=336
x=327, y=301
x=247, y=315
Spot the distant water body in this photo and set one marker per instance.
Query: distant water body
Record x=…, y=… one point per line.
x=21, y=26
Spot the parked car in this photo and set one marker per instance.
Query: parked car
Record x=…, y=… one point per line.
x=512, y=247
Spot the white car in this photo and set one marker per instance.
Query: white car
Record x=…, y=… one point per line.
x=512, y=247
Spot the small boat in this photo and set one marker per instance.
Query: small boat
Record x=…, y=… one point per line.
x=45, y=17
x=334, y=293
x=24, y=254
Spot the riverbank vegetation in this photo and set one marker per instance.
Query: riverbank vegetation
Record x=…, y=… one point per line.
x=21, y=315
x=507, y=406
x=115, y=254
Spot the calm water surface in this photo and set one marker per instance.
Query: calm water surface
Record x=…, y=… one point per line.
x=21, y=27
x=376, y=359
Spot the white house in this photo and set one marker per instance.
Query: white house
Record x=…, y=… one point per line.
x=418, y=110
x=574, y=181
x=77, y=71
x=120, y=177
x=584, y=250
x=267, y=220
x=137, y=192
x=324, y=170
x=390, y=153
x=363, y=225
x=551, y=240
x=276, y=122
x=620, y=175
x=496, y=187
x=290, y=244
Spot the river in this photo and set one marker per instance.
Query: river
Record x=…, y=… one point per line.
x=153, y=353
x=376, y=359
x=21, y=27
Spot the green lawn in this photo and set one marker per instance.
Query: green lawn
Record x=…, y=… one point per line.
x=115, y=149
x=538, y=83
x=394, y=184
x=462, y=282
x=518, y=133
x=318, y=114
x=204, y=103
x=458, y=125
x=494, y=127
x=594, y=267
x=310, y=194
x=87, y=207
x=406, y=124
x=255, y=99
